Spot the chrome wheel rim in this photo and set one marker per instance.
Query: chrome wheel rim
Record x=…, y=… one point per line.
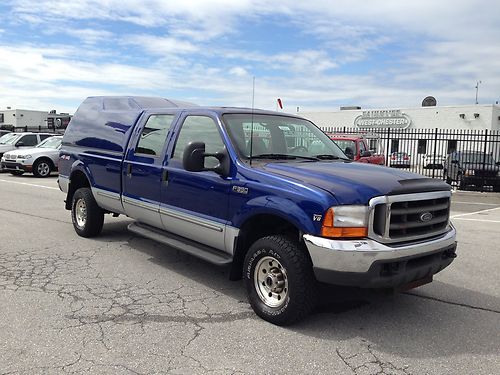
x=81, y=213
x=43, y=169
x=271, y=282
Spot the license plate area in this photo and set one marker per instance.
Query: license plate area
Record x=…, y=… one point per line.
x=414, y=284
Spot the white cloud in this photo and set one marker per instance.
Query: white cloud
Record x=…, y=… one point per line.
x=238, y=71
x=156, y=45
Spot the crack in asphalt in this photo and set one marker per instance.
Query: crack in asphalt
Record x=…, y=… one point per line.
x=454, y=303
x=98, y=304
x=367, y=362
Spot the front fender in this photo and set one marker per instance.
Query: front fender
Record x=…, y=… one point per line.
x=284, y=208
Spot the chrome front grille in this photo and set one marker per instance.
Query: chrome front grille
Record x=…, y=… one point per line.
x=408, y=217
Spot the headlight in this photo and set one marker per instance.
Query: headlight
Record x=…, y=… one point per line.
x=22, y=157
x=469, y=172
x=345, y=222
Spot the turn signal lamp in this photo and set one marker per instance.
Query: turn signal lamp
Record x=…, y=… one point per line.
x=345, y=222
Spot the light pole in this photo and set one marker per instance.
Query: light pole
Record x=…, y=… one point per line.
x=477, y=89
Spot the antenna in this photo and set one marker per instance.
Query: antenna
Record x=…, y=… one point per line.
x=251, y=129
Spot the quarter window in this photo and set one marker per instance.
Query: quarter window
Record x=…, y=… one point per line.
x=154, y=134
x=199, y=129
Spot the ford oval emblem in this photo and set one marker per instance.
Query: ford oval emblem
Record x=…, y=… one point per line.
x=426, y=216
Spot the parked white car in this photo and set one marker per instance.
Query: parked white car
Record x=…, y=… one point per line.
x=40, y=160
x=430, y=161
x=399, y=160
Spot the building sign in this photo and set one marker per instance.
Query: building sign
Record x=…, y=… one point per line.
x=391, y=118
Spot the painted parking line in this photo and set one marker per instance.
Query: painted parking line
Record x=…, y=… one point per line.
x=476, y=203
x=25, y=183
x=481, y=220
x=475, y=212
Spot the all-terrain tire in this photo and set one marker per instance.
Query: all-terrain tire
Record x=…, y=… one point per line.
x=273, y=260
x=86, y=215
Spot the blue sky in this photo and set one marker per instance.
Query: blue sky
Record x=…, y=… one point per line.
x=316, y=55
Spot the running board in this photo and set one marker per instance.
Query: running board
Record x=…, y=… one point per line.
x=195, y=249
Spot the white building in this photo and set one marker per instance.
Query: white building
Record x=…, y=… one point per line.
x=15, y=119
x=419, y=131
x=466, y=117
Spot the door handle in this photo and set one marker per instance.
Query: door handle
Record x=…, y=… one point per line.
x=129, y=170
x=164, y=177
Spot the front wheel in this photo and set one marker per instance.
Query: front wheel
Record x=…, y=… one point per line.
x=279, y=280
x=86, y=215
x=42, y=168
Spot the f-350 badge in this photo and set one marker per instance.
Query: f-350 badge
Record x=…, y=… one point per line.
x=240, y=190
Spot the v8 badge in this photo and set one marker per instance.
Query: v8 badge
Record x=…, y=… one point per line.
x=317, y=217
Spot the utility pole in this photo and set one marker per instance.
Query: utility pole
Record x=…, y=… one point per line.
x=477, y=89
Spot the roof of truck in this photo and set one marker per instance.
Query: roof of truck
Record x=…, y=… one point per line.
x=134, y=103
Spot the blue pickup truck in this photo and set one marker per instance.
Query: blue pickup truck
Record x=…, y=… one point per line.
x=267, y=194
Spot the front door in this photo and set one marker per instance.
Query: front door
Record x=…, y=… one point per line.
x=195, y=204
x=142, y=170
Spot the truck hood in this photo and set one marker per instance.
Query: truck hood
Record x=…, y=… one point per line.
x=355, y=183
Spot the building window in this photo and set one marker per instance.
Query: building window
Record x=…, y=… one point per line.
x=1, y=117
x=394, y=145
x=422, y=146
x=452, y=146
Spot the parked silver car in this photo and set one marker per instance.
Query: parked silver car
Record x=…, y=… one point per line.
x=41, y=160
x=12, y=141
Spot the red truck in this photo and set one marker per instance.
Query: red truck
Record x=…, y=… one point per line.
x=356, y=148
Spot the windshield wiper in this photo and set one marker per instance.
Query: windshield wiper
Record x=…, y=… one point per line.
x=283, y=156
x=330, y=157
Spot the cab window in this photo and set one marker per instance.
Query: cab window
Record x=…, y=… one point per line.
x=154, y=134
x=199, y=129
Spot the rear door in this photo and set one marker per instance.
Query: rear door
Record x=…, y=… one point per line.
x=195, y=204
x=142, y=169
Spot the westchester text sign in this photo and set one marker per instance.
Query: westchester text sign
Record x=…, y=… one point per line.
x=392, y=118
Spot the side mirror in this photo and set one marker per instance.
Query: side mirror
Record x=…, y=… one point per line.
x=366, y=154
x=194, y=156
x=20, y=144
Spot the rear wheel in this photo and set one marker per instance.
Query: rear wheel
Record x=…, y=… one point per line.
x=279, y=280
x=86, y=215
x=42, y=168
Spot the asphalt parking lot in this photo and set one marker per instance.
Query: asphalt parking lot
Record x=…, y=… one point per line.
x=121, y=304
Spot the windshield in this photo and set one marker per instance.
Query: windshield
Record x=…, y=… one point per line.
x=9, y=139
x=477, y=158
x=279, y=137
x=51, y=142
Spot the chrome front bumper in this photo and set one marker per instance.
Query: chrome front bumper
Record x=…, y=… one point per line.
x=360, y=262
